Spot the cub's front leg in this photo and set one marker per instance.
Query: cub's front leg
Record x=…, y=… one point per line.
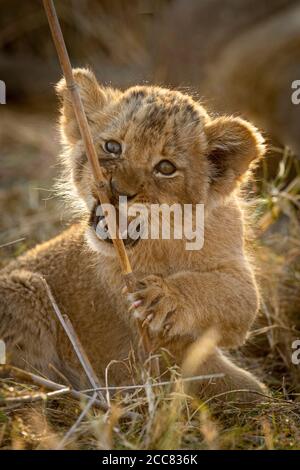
x=29, y=328
x=188, y=303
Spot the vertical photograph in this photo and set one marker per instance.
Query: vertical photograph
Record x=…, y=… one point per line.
x=150, y=229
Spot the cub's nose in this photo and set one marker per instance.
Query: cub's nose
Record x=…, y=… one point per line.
x=117, y=191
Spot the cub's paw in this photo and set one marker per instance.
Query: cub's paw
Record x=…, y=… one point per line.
x=159, y=306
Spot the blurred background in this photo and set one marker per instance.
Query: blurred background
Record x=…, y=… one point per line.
x=236, y=56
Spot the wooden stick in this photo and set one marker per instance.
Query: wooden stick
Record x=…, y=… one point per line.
x=92, y=155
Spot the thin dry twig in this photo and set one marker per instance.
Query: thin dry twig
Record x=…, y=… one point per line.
x=13, y=242
x=34, y=397
x=78, y=348
x=241, y=390
x=7, y=371
x=73, y=428
x=157, y=384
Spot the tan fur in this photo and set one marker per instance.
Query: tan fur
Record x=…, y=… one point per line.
x=190, y=291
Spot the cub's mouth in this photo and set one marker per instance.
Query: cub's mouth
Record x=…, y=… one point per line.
x=98, y=222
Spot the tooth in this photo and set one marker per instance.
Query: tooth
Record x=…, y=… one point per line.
x=102, y=223
x=102, y=234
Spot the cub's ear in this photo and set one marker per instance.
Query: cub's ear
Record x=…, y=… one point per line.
x=93, y=99
x=233, y=145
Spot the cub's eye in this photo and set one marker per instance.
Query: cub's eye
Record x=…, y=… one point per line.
x=165, y=168
x=112, y=146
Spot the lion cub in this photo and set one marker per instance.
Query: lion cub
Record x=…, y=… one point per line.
x=156, y=146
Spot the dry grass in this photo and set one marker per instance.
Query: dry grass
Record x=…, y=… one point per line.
x=166, y=417
x=169, y=419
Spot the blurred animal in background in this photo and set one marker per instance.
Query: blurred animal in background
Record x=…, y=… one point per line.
x=242, y=56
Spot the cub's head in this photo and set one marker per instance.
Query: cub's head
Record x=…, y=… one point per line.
x=155, y=145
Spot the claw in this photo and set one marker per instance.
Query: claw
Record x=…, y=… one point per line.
x=147, y=320
x=135, y=305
